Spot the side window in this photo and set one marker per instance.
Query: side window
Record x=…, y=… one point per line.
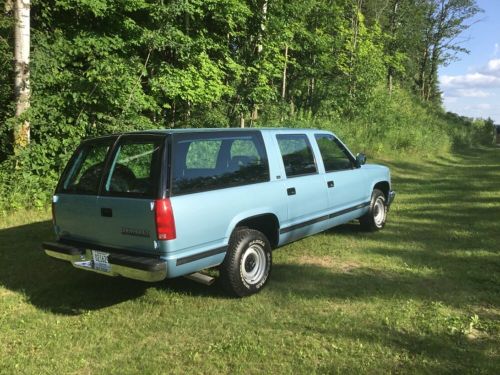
x=85, y=173
x=244, y=147
x=203, y=154
x=134, y=171
x=207, y=161
x=298, y=157
x=335, y=158
x=243, y=154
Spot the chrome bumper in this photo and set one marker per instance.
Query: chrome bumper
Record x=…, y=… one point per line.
x=132, y=267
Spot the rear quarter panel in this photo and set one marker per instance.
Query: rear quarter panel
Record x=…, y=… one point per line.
x=204, y=221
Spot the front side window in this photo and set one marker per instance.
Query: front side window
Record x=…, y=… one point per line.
x=135, y=169
x=335, y=157
x=213, y=161
x=85, y=172
x=298, y=157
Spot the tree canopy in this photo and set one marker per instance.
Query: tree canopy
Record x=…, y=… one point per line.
x=104, y=66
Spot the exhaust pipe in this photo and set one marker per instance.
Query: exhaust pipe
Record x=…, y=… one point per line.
x=201, y=278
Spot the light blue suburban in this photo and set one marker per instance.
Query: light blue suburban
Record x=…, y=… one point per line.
x=169, y=203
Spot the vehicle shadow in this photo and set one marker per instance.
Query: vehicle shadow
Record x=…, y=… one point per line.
x=55, y=285
x=58, y=287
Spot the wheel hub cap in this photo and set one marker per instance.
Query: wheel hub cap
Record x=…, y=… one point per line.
x=253, y=264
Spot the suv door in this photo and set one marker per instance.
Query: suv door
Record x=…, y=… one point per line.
x=347, y=187
x=125, y=215
x=305, y=188
x=75, y=201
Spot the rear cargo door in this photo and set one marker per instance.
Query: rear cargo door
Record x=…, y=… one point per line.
x=125, y=208
x=75, y=202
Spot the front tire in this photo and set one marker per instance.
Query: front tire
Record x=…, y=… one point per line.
x=375, y=218
x=248, y=262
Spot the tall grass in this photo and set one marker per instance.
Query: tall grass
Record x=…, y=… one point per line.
x=402, y=124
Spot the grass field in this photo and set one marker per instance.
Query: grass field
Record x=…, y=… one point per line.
x=422, y=296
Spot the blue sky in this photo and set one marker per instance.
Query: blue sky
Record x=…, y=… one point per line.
x=471, y=86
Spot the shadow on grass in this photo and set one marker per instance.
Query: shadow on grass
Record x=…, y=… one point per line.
x=55, y=285
x=58, y=287
x=440, y=353
x=456, y=282
x=445, y=232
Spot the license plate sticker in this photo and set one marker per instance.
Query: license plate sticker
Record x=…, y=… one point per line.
x=100, y=260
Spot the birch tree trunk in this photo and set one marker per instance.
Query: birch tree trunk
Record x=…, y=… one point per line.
x=21, y=60
x=254, y=115
x=355, y=22
x=393, y=29
x=260, y=46
x=283, y=83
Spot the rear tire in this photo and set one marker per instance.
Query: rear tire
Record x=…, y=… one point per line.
x=248, y=262
x=375, y=218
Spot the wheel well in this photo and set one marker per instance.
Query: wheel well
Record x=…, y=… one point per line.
x=267, y=224
x=383, y=186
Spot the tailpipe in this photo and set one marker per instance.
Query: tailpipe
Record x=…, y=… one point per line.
x=201, y=278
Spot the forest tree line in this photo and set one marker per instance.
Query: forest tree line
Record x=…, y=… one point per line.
x=104, y=66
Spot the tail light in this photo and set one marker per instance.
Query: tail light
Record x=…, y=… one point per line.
x=164, y=218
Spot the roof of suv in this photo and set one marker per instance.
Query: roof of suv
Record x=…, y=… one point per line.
x=203, y=130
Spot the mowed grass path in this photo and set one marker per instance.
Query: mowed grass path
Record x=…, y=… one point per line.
x=422, y=296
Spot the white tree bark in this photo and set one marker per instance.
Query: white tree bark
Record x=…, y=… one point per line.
x=283, y=83
x=22, y=59
x=260, y=46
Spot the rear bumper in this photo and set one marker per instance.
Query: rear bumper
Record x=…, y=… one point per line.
x=392, y=195
x=130, y=266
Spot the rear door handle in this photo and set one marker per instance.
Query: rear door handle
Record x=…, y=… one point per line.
x=291, y=191
x=330, y=184
x=106, y=212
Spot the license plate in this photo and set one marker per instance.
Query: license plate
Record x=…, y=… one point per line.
x=100, y=260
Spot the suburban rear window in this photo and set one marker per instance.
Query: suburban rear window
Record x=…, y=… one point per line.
x=207, y=161
x=85, y=169
x=135, y=168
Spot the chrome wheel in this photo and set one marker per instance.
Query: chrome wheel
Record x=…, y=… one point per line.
x=379, y=211
x=253, y=264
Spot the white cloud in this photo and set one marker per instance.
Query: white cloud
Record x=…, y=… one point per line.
x=472, y=80
x=449, y=99
x=480, y=106
x=470, y=93
x=487, y=77
x=493, y=67
x=475, y=93
x=484, y=106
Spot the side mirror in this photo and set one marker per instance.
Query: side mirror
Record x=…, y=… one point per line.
x=360, y=159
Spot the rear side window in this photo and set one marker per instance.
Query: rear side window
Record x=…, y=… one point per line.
x=298, y=157
x=335, y=157
x=86, y=169
x=208, y=161
x=203, y=154
x=135, y=169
